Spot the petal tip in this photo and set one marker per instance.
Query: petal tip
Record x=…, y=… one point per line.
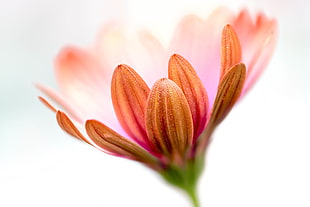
x=46, y=103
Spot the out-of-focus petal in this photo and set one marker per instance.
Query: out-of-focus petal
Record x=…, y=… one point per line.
x=142, y=51
x=199, y=41
x=244, y=27
x=84, y=83
x=129, y=95
x=61, y=102
x=258, y=39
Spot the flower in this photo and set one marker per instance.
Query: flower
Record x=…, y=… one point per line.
x=168, y=126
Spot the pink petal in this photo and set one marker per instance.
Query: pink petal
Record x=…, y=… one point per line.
x=198, y=41
x=60, y=101
x=85, y=85
x=258, y=39
x=142, y=51
x=244, y=26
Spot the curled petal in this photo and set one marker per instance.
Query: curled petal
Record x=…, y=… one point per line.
x=184, y=75
x=47, y=104
x=67, y=125
x=228, y=93
x=129, y=95
x=109, y=140
x=230, y=50
x=168, y=120
x=64, y=121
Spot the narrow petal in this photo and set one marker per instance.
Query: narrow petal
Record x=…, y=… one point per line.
x=64, y=122
x=228, y=93
x=67, y=125
x=47, y=104
x=61, y=102
x=230, y=50
x=184, y=75
x=129, y=95
x=168, y=120
x=109, y=140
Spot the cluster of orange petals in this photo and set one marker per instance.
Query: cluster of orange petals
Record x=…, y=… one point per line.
x=172, y=121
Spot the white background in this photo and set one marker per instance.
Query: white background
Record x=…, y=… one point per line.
x=260, y=155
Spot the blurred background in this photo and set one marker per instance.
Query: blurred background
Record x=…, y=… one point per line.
x=259, y=157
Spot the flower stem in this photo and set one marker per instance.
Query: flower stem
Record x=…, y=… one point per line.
x=185, y=177
x=191, y=192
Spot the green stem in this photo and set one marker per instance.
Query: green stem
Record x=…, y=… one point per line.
x=185, y=177
x=191, y=192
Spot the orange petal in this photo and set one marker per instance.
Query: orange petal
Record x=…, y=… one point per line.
x=231, y=50
x=184, y=75
x=228, y=93
x=168, y=120
x=67, y=125
x=46, y=103
x=129, y=96
x=64, y=121
x=109, y=140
